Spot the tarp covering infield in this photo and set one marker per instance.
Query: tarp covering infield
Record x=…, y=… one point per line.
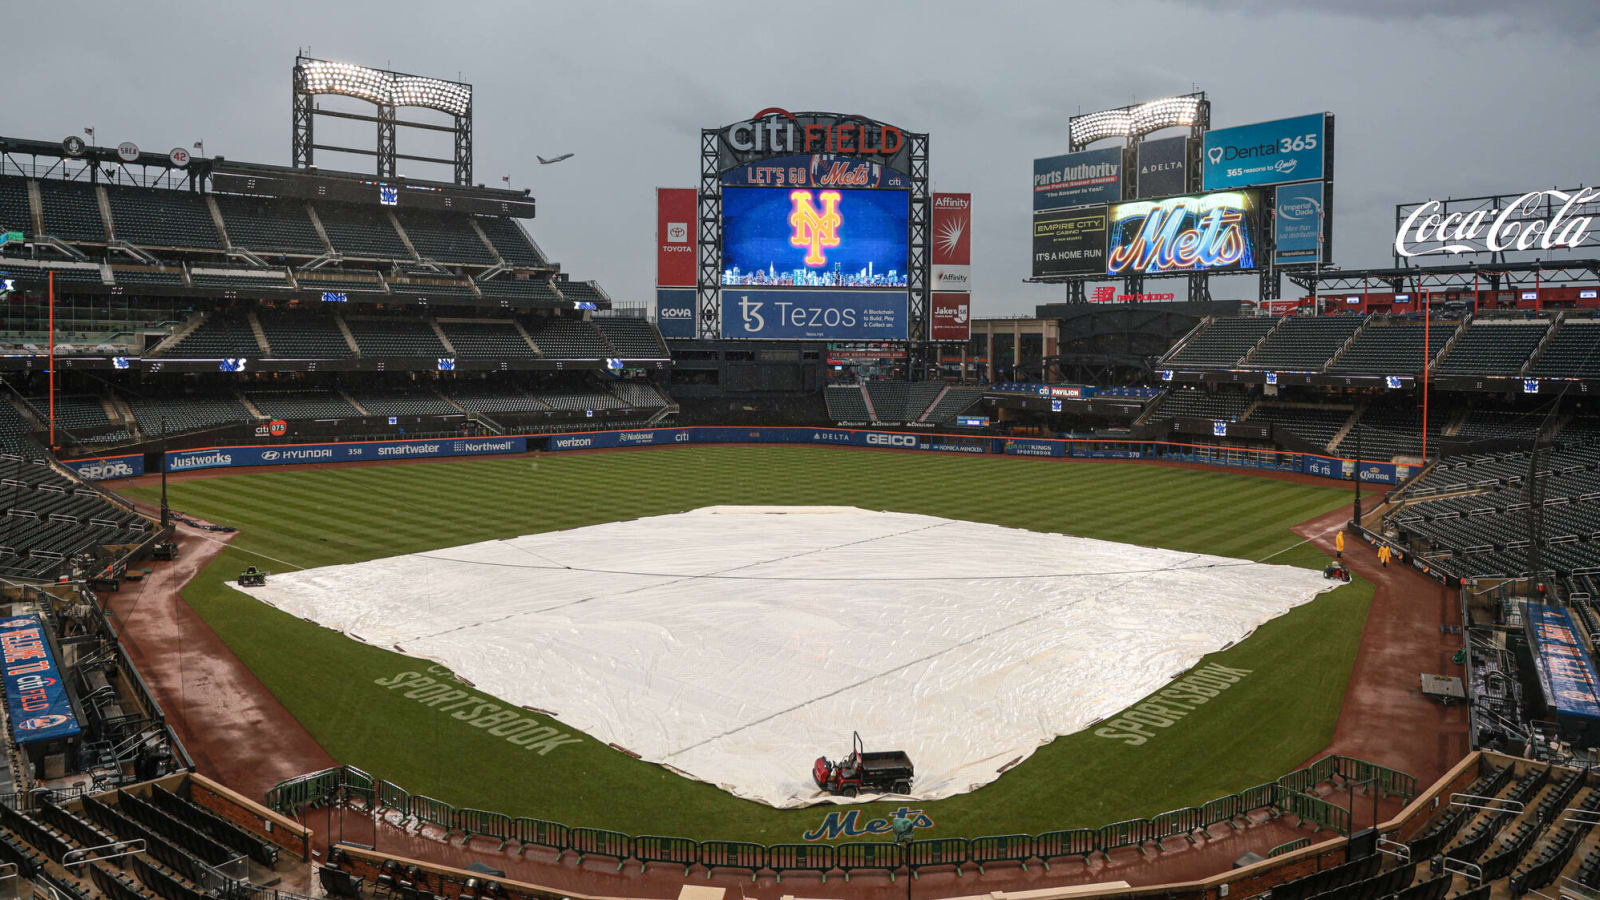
x=738, y=643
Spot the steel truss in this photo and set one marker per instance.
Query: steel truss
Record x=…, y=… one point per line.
x=305, y=113
x=920, y=352
x=1488, y=276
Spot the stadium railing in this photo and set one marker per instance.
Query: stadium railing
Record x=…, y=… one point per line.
x=1289, y=795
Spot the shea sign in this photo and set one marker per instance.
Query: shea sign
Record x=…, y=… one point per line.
x=1535, y=221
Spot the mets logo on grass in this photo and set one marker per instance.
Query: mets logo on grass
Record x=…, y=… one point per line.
x=849, y=824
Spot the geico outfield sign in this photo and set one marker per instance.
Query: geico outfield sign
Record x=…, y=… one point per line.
x=1537, y=220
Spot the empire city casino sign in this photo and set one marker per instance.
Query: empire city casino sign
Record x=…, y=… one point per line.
x=1210, y=231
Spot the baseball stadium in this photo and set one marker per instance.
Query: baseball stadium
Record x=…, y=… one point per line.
x=355, y=548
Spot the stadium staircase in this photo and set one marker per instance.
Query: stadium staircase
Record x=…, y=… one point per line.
x=866, y=398
x=1150, y=410
x=404, y=238
x=1276, y=327
x=352, y=401
x=344, y=329
x=259, y=332
x=1538, y=351
x=1350, y=423
x=1183, y=342
x=178, y=334
x=1349, y=342
x=933, y=405
x=527, y=337
x=443, y=338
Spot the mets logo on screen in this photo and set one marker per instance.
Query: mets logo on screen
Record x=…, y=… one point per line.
x=1207, y=232
x=814, y=229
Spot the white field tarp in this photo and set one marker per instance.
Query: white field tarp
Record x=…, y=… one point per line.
x=738, y=644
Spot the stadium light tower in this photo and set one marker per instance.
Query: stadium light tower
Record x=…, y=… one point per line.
x=387, y=91
x=1139, y=119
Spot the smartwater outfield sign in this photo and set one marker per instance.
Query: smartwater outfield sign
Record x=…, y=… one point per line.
x=221, y=457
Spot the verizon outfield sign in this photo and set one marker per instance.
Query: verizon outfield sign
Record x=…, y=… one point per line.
x=1535, y=221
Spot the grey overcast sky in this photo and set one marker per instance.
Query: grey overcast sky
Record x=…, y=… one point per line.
x=1433, y=98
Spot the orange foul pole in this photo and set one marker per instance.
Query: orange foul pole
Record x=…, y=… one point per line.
x=1427, y=363
x=52, y=360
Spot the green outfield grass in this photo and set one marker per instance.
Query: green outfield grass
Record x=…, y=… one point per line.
x=1268, y=724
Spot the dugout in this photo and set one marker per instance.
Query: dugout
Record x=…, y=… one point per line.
x=1565, y=674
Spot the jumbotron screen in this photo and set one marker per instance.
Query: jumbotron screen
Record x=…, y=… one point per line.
x=815, y=237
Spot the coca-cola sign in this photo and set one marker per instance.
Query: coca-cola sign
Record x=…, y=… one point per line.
x=1533, y=222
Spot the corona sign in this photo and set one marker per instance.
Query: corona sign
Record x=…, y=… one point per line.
x=1182, y=234
x=814, y=230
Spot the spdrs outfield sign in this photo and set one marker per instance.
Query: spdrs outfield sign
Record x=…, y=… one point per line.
x=105, y=468
x=1267, y=152
x=297, y=454
x=814, y=315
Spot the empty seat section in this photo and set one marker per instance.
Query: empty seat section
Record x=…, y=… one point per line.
x=303, y=335
x=487, y=340
x=1393, y=348
x=218, y=337
x=449, y=239
x=1192, y=402
x=510, y=241
x=15, y=213
x=416, y=402
x=152, y=217
x=632, y=338
x=1493, y=348
x=361, y=232
x=270, y=227
x=1317, y=424
x=1223, y=342
x=561, y=338
x=71, y=211
x=1304, y=343
x=533, y=290
x=846, y=403
x=395, y=337
x=901, y=401
x=241, y=282
x=580, y=291
x=185, y=412
x=1573, y=351
x=310, y=404
x=955, y=401
x=492, y=398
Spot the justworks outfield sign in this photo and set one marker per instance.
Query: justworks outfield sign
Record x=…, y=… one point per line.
x=777, y=131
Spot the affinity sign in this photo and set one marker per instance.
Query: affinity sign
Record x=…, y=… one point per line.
x=1537, y=220
x=1204, y=233
x=1265, y=153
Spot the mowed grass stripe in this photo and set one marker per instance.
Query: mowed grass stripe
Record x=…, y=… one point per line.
x=1300, y=662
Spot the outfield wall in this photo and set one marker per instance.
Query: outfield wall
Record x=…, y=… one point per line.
x=1333, y=467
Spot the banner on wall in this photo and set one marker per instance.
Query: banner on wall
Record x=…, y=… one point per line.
x=36, y=697
x=677, y=210
x=106, y=468
x=299, y=454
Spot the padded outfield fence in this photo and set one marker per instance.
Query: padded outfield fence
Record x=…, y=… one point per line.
x=1290, y=795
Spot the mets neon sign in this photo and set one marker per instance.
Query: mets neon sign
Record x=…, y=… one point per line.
x=814, y=229
x=1211, y=231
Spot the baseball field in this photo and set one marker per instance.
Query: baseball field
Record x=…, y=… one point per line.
x=352, y=697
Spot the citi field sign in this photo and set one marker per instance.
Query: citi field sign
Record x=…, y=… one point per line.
x=1537, y=220
x=775, y=131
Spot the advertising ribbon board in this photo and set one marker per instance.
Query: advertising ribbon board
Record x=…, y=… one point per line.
x=35, y=695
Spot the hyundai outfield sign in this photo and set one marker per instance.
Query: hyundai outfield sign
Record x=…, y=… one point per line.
x=826, y=315
x=1266, y=153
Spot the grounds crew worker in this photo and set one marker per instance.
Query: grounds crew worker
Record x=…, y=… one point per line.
x=1383, y=555
x=1338, y=544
